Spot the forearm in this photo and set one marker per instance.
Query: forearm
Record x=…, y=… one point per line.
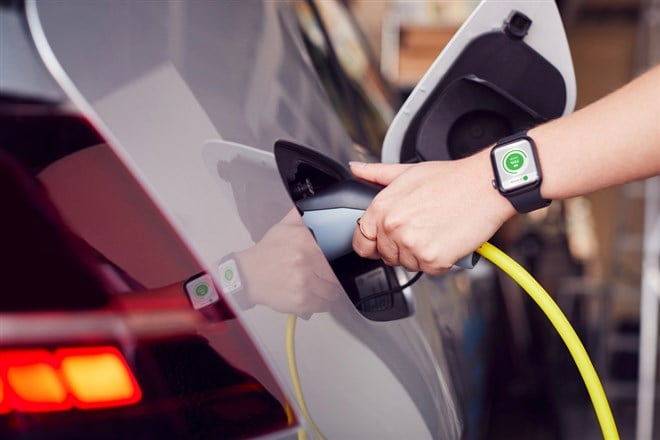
x=612, y=141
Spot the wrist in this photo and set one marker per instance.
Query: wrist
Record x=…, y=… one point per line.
x=497, y=204
x=541, y=135
x=564, y=173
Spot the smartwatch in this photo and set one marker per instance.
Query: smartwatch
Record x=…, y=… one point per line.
x=517, y=172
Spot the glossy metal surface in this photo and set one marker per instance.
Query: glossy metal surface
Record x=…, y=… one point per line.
x=191, y=96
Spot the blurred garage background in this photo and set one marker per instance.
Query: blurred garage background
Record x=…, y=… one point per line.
x=589, y=252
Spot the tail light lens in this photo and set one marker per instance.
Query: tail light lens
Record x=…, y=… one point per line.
x=80, y=377
x=98, y=377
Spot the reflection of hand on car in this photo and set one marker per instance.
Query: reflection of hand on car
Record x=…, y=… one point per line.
x=286, y=270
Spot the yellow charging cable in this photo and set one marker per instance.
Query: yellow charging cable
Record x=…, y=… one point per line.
x=295, y=379
x=547, y=305
x=565, y=330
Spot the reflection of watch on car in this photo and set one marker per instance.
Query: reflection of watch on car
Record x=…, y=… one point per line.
x=517, y=172
x=233, y=283
x=202, y=292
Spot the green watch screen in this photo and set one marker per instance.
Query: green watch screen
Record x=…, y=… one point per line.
x=515, y=165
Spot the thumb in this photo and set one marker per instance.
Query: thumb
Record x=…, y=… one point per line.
x=381, y=173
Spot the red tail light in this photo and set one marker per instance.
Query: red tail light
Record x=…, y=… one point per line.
x=98, y=377
x=31, y=381
x=82, y=377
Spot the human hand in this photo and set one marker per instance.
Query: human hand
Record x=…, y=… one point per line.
x=431, y=214
x=287, y=272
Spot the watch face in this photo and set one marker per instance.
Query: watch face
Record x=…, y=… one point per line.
x=516, y=165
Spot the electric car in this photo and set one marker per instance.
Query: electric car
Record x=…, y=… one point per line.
x=158, y=280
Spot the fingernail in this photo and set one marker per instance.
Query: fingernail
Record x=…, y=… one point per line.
x=355, y=164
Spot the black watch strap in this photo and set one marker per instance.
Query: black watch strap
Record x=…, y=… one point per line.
x=530, y=199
